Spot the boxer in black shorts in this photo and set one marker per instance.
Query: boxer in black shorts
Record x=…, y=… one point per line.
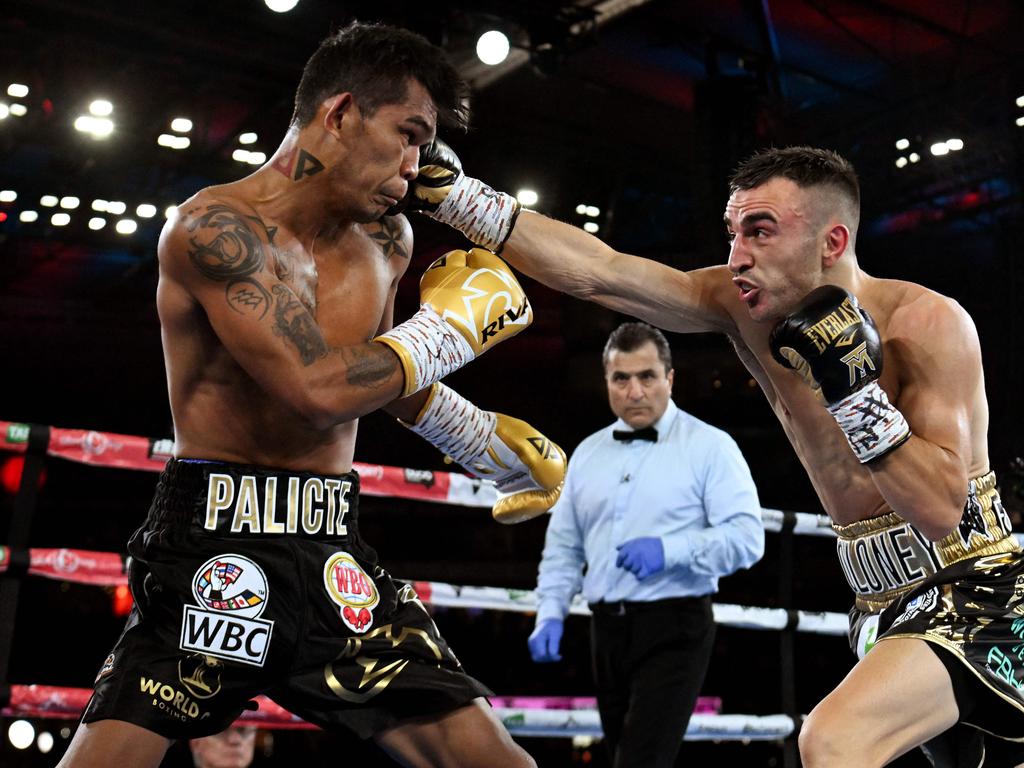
x=276, y=301
x=234, y=600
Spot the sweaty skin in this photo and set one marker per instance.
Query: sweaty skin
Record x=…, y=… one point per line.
x=785, y=242
x=271, y=288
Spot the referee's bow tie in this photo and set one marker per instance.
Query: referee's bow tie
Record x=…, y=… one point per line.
x=629, y=435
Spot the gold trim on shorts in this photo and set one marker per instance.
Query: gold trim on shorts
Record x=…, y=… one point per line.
x=885, y=557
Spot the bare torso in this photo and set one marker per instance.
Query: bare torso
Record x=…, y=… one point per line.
x=345, y=281
x=844, y=486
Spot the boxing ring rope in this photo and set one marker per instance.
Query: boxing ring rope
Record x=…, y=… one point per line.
x=543, y=716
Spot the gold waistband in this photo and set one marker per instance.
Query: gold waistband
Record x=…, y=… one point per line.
x=984, y=529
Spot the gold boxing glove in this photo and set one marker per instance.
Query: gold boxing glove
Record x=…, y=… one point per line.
x=472, y=293
x=527, y=468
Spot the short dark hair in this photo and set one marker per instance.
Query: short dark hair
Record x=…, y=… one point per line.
x=631, y=336
x=374, y=62
x=807, y=166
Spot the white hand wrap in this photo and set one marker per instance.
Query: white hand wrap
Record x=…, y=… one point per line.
x=434, y=348
x=872, y=424
x=455, y=426
x=482, y=214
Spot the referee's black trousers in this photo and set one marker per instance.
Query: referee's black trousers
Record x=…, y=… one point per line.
x=649, y=661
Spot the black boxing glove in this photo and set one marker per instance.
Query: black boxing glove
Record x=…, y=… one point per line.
x=442, y=191
x=439, y=168
x=834, y=345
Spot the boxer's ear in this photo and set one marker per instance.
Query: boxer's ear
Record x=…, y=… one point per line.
x=337, y=109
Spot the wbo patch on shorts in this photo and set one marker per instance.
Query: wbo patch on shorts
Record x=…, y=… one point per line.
x=350, y=588
x=233, y=592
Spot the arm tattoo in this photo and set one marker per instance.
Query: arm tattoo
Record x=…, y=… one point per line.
x=369, y=367
x=294, y=323
x=232, y=252
x=389, y=237
x=248, y=297
x=226, y=247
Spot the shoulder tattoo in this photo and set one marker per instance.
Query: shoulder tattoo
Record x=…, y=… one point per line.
x=388, y=233
x=224, y=247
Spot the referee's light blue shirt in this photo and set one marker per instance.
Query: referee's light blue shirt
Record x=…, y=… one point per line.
x=692, y=488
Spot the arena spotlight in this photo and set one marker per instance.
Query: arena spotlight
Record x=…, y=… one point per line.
x=116, y=207
x=100, y=108
x=97, y=223
x=181, y=125
x=527, y=197
x=954, y=145
x=1020, y=121
x=8, y=195
x=1020, y=101
x=902, y=143
x=126, y=226
x=247, y=138
x=18, y=110
x=901, y=162
x=69, y=202
x=593, y=211
x=591, y=227
x=97, y=127
x=939, y=148
x=281, y=6
x=17, y=90
x=145, y=211
x=492, y=47
x=99, y=205
x=28, y=216
x=60, y=219
x=170, y=210
x=581, y=209
x=4, y=110
x=45, y=742
x=48, y=201
x=914, y=157
x=21, y=734
x=245, y=156
x=173, y=142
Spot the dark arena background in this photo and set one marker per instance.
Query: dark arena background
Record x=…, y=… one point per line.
x=624, y=116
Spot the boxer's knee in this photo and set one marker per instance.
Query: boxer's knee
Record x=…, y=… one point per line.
x=830, y=738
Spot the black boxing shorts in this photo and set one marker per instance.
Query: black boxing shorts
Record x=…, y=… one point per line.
x=972, y=614
x=253, y=581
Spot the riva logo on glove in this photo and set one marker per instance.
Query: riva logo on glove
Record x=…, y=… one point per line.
x=511, y=315
x=235, y=591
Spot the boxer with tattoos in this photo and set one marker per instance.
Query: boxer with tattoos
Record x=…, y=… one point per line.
x=275, y=297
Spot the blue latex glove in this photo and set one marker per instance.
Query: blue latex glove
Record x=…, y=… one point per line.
x=544, y=641
x=643, y=557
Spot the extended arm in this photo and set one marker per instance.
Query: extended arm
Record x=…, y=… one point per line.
x=570, y=260
x=565, y=257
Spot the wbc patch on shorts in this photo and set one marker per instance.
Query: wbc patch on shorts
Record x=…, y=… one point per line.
x=232, y=591
x=349, y=587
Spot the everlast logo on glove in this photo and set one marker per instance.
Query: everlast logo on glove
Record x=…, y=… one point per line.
x=828, y=329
